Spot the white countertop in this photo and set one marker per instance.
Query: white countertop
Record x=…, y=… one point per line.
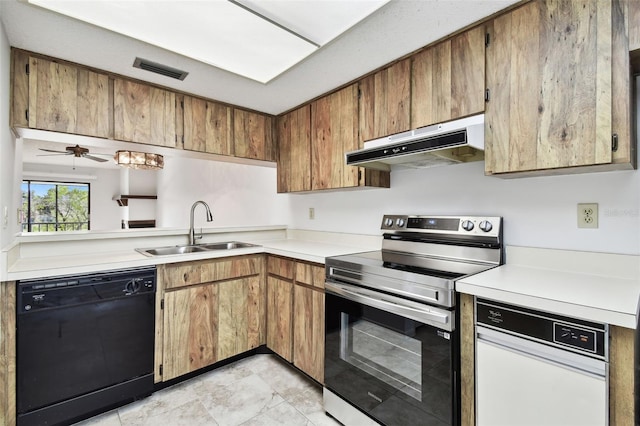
x=304, y=245
x=592, y=286
x=580, y=287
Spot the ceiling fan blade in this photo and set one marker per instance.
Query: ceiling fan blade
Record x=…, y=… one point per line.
x=94, y=158
x=51, y=155
x=53, y=150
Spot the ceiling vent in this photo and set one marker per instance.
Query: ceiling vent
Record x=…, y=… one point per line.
x=159, y=69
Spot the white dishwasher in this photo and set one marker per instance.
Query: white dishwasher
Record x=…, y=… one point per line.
x=534, y=368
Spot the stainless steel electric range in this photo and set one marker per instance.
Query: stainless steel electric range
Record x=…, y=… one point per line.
x=391, y=338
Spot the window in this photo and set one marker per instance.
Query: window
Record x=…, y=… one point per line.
x=54, y=206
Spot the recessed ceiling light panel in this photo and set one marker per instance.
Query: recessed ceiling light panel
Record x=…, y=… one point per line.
x=230, y=36
x=317, y=20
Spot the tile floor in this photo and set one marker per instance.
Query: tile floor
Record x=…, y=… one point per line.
x=259, y=390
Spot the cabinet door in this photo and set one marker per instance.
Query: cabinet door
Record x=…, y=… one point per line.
x=210, y=322
x=65, y=98
x=279, y=306
x=334, y=131
x=385, y=101
x=144, y=114
x=253, y=135
x=239, y=314
x=207, y=126
x=190, y=332
x=294, y=150
x=308, y=331
x=549, y=75
x=634, y=25
x=448, y=79
x=623, y=20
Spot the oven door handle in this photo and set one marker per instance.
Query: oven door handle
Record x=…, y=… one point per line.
x=429, y=315
x=426, y=294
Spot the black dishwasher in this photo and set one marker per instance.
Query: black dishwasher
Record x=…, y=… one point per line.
x=85, y=343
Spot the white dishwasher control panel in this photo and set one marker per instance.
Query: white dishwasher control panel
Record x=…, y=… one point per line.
x=576, y=335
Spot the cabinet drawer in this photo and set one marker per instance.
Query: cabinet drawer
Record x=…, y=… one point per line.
x=310, y=274
x=280, y=266
x=189, y=273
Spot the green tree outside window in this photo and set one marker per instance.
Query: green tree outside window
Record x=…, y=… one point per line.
x=55, y=206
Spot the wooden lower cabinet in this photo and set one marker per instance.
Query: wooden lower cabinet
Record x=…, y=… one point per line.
x=7, y=353
x=308, y=331
x=467, y=361
x=279, y=308
x=295, y=313
x=623, y=387
x=213, y=310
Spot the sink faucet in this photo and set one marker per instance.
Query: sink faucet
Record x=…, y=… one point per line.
x=192, y=233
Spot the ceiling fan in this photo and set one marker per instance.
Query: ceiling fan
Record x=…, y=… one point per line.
x=76, y=151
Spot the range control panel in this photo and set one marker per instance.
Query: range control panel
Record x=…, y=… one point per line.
x=466, y=225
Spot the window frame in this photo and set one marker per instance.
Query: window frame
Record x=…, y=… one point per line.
x=57, y=183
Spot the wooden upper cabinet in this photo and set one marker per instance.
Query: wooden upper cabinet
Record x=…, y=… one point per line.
x=634, y=25
x=144, y=114
x=334, y=131
x=253, y=135
x=558, y=85
x=624, y=157
x=60, y=97
x=207, y=127
x=385, y=101
x=448, y=79
x=294, y=150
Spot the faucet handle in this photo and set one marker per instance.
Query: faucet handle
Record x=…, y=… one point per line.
x=199, y=236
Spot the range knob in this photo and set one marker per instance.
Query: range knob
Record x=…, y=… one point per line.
x=486, y=226
x=399, y=222
x=388, y=222
x=467, y=225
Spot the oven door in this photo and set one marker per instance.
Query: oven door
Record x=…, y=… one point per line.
x=394, y=359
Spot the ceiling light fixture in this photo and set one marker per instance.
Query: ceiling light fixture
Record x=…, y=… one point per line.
x=257, y=39
x=139, y=160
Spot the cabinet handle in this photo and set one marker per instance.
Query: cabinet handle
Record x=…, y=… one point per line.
x=614, y=142
x=487, y=95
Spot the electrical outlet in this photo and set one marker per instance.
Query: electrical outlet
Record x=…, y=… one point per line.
x=587, y=215
x=312, y=213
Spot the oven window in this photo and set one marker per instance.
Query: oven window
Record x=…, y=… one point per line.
x=385, y=354
x=397, y=370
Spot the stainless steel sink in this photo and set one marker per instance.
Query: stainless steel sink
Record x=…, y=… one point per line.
x=195, y=248
x=225, y=246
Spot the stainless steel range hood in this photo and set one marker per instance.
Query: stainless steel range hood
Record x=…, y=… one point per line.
x=457, y=141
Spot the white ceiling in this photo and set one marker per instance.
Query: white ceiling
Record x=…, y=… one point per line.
x=223, y=33
x=400, y=27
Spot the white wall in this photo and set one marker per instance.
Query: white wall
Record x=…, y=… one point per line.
x=239, y=195
x=8, y=169
x=538, y=212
